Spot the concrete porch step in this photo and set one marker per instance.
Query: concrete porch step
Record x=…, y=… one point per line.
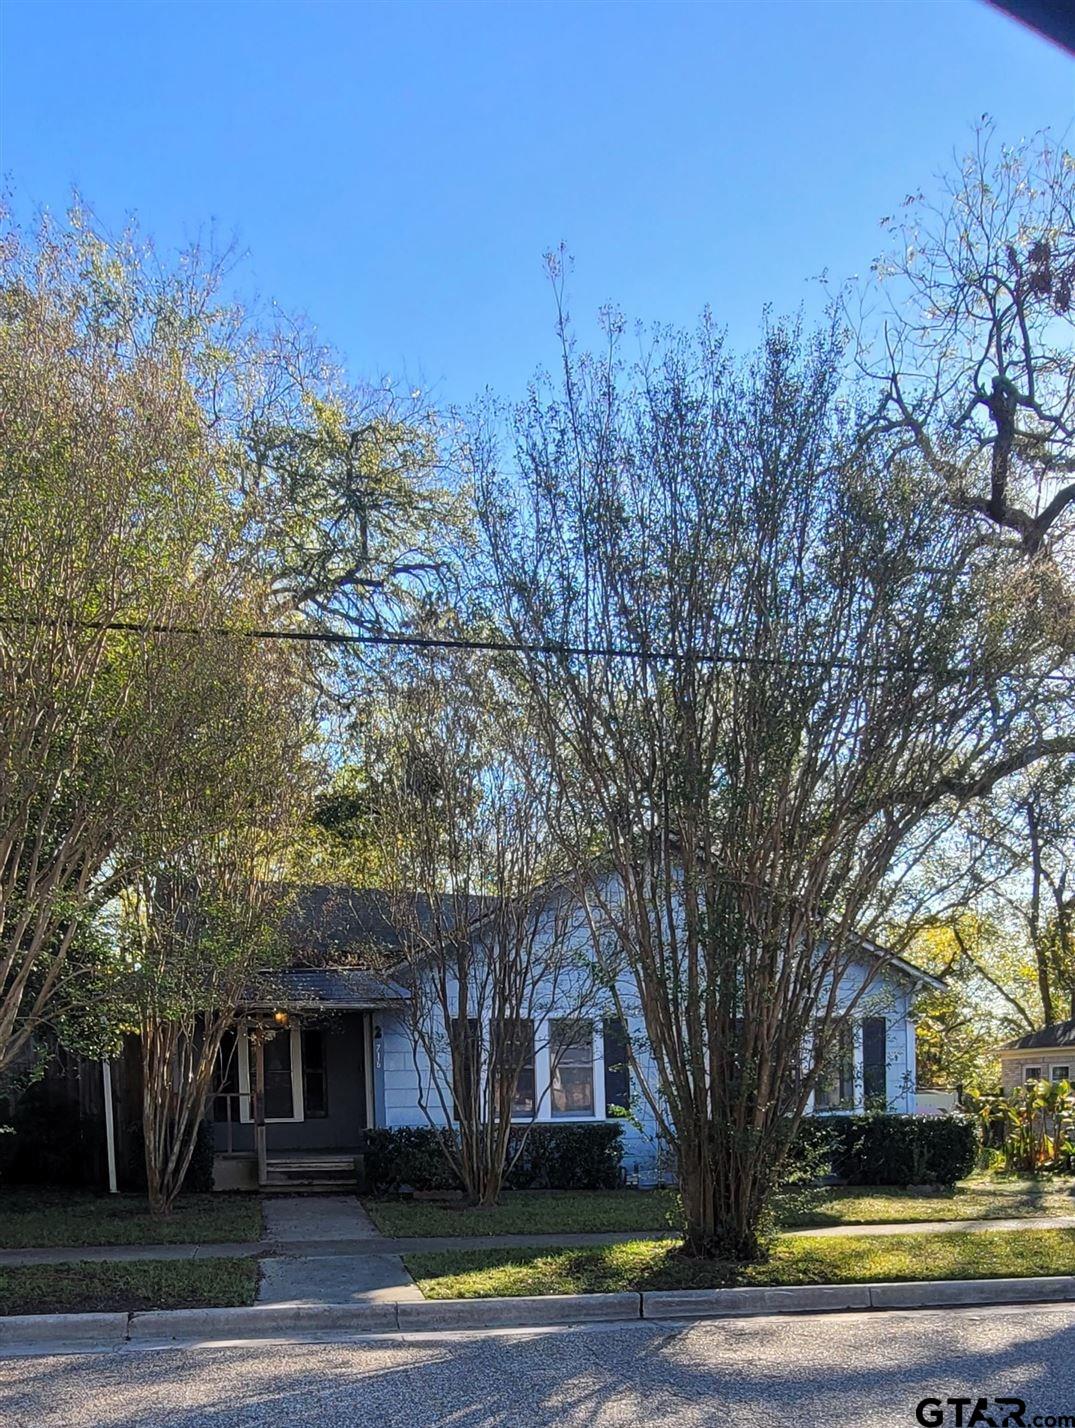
x=305, y=1187
x=310, y=1172
x=310, y=1162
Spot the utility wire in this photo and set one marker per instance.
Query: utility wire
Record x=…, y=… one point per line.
x=451, y=642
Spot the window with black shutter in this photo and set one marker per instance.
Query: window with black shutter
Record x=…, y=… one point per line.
x=874, y=1063
x=834, y=1089
x=617, y=1066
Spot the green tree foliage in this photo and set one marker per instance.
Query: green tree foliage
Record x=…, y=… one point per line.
x=167, y=462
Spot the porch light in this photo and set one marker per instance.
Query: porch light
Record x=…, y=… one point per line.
x=280, y=1018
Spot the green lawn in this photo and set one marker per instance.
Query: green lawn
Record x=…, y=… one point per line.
x=658, y=1264
x=552, y=1212
x=525, y=1212
x=32, y=1219
x=135, y=1284
x=972, y=1200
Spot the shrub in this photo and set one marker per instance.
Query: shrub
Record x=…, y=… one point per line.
x=569, y=1157
x=553, y=1157
x=1033, y=1124
x=406, y=1155
x=883, y=1149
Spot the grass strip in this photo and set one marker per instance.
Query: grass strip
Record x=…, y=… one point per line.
x=87, y=1286
x=42, y=1219
x=659, y=1264
x=552, y=1212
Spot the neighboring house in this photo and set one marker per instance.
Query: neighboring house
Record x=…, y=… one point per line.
x=1045, y=1055
x=339, y=1055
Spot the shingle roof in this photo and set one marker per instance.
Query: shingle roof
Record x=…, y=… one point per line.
x=328, y=924
x=1057, y=1033
x=342, y=988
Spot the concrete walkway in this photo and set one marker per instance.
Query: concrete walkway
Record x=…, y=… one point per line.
x=305, y=1219
x=307, y=1267
x=365, y=1244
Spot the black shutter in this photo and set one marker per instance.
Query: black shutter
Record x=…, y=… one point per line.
x=617, y=1065
x=874, y=1063
x=468, y=1072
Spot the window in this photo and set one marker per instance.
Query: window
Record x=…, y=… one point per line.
x=314, y=1074
x=1060, y=1073
x=874, y=1063
x=1031, y=1073
x=617, y=1065
x=516, y=1053
x=834, y=1089
x=571, y=1059
x=466, y=1057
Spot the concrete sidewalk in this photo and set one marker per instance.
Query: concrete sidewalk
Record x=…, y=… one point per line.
x=306, y=1265
x=325, y=1245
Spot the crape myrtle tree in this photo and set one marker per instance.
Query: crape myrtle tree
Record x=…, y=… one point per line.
x=109, y=513
x=201, y=919
x=760, y=652
x=1028, y=834
x=1006, y=945
x=494, y=944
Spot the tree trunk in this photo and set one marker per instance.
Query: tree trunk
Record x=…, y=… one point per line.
x=721, y=1213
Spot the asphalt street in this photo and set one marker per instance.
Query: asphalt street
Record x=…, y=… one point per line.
x=850, y=1369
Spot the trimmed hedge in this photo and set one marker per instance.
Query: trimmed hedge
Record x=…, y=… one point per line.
x=408, y=1155
x=570, y=1157
x=554, y=1157
x=883, y=1149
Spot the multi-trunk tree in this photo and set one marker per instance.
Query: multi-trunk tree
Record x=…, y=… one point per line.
x=494, y=943
x=763, y=654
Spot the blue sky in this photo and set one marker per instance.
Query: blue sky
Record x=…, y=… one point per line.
x=396, y=171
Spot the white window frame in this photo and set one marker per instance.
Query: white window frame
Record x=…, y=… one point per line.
x=1064, y=1066
x=297, y=1106
x=591, y=1115
x=858, y=1088
x=1027, y=1078
x=543, y=1072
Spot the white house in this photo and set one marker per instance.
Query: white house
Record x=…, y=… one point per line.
x=339, y=1054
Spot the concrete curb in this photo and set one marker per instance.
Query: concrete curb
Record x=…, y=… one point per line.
x=531, y=1311
x=722, y=1303
x=521, y=1312
x=261, y=1321
x=108, y=1330
x=832, y=1298
x=972, y=1291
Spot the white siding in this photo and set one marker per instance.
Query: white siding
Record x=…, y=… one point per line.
x=401, y=1084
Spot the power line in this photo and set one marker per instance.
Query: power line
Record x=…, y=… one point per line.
x=453, y=642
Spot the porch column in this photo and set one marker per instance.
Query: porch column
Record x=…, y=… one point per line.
x=258, y=1102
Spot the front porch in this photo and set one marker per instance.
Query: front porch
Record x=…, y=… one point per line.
x=295, y=1091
